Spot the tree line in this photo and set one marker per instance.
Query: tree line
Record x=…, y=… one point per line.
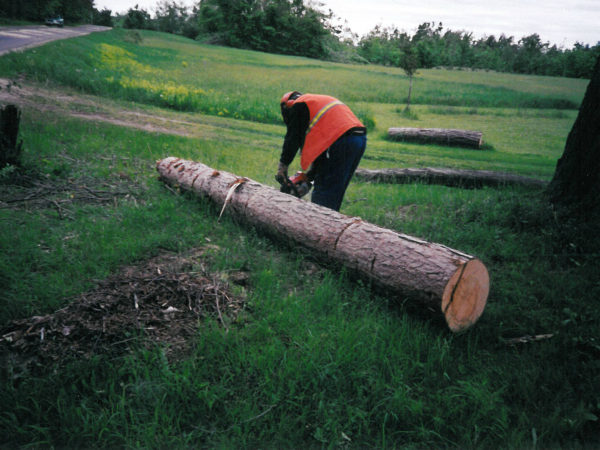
x=434, y=47
x=295, y=27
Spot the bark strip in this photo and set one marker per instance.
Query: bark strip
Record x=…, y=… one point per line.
x=453, y=283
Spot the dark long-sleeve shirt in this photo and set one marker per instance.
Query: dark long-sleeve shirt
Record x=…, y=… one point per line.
x=297, y=124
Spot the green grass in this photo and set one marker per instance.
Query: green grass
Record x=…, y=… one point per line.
x=321, y=359
x=174, y=72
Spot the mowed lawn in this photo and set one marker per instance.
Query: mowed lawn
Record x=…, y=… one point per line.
x=316, y=357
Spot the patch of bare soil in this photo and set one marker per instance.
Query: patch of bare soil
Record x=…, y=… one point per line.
x=86, y=107
x=161, y=301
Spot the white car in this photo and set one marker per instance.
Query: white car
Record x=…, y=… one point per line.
x=56, y=21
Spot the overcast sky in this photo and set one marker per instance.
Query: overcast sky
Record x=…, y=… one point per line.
x=560, y=22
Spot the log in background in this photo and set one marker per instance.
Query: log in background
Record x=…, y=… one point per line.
x=448, y=177
x=450, y=281
x=441, y=136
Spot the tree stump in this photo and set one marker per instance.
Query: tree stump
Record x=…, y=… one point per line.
x=447, y=280
x=10, y=149
x=440, y=136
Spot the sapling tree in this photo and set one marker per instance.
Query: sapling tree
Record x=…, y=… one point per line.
x=409, y=63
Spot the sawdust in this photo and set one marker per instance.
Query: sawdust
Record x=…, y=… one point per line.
x=161, y=301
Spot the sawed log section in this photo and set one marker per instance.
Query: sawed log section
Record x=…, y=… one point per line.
x=447, y=177
x=447, y=280
x=441, y=136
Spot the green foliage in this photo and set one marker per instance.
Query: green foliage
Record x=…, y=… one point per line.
x=321, y=359
x=297, y=27
x=181, y=74
x=138, y=19
x=133, y=37
x=103, y=17
x=276, y=26
x=435, y=47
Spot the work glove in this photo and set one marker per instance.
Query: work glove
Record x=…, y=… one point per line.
x=281, y=175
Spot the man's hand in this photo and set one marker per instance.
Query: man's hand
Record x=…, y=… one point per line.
x=281, y=175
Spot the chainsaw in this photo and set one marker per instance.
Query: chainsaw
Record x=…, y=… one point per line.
x=298, y=185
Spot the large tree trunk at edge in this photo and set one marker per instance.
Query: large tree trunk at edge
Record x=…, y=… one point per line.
x=454, y=283
x=576, y=183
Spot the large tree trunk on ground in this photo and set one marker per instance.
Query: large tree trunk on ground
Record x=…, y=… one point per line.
x=447, y=177
x=576, y=183
x=448, y=280
x=440, y=136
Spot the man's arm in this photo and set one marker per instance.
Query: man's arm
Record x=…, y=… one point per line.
x=296, y=131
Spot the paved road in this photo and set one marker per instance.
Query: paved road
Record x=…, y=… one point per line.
x=20, y=38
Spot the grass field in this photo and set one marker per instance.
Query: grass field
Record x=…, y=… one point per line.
x=317, y=358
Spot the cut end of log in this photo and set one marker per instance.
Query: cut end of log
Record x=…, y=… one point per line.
x=465, y=295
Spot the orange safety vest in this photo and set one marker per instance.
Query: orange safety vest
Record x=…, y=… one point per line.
x=329, y=119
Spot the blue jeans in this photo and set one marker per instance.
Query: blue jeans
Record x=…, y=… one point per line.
x=334, y=170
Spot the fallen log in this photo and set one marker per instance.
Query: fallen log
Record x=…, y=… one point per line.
x=441, y=136
x=447, y=280
x=447, y=177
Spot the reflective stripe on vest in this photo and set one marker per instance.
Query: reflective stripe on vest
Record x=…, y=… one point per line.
x=320, y=114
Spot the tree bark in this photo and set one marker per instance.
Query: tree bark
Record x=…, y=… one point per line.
x=451, y=282
x=10, y=149
x=441, y=136
x=447, y=177
x=576, y=183
x=410, y=81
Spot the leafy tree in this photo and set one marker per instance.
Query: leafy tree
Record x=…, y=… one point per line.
x=529, y=56
x=409, y=63
x=434, y=47
x=103, y=17
x=383, y=46
x=278, y=26
x=171, y=17
x=137, y=18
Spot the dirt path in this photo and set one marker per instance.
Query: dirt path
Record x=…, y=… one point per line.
x=33, y=98
x=37, y=98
